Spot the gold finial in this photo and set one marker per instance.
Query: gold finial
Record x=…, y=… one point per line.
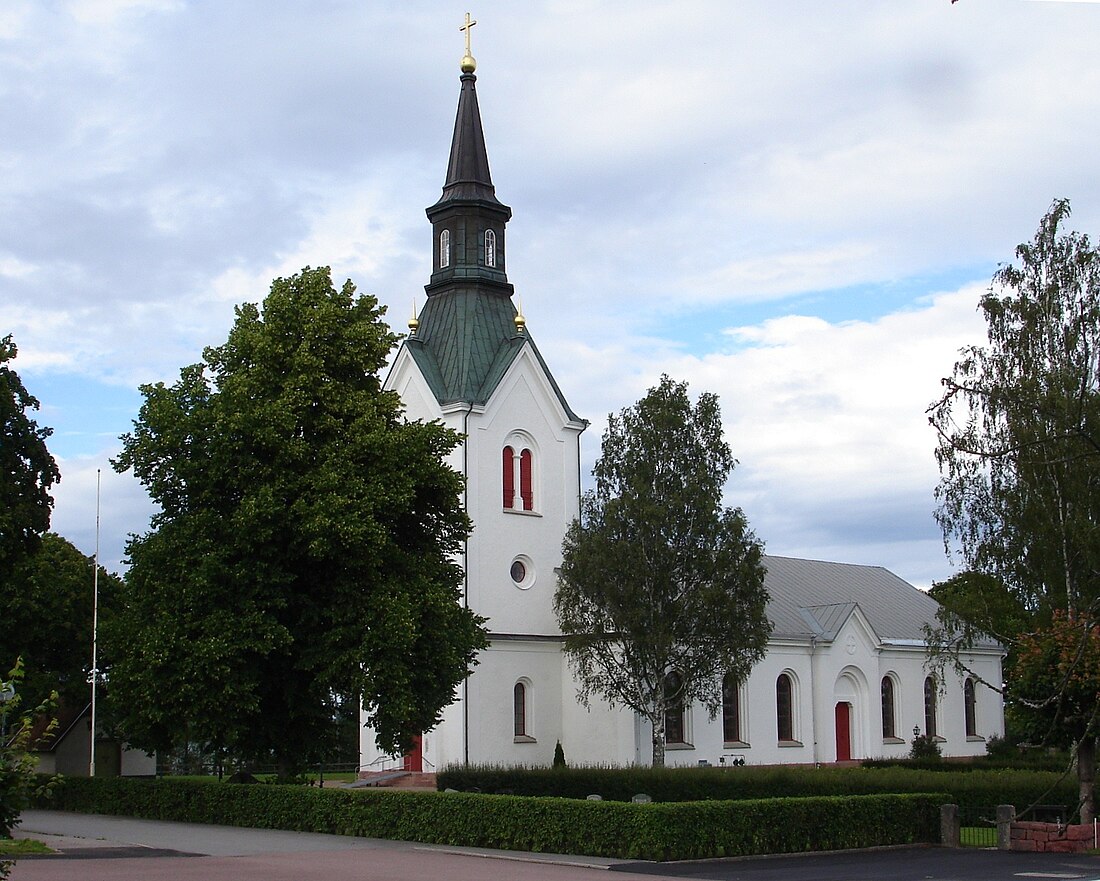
x=414, y=322
x=468, y=64
x=520, y=321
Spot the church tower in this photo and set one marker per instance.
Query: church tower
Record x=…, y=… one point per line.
x=470, y=361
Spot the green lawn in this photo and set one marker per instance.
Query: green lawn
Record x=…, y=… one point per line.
x=978, y=836
x=15, y=847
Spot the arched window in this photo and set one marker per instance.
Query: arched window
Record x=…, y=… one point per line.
x=784, y=707
x=674, y=708
x=490, y=248
x=508, y=473
x=931, y=729
x=731, y=709
x=889, y=726
x=526, y=492
x=519, y=710
x=970, y=707
x=518, y=471
x=445, y=249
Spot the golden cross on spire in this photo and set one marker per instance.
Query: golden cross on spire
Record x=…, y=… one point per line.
x=468, y=64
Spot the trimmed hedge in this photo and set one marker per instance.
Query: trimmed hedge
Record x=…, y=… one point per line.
x=966, y=788
x=670, y=831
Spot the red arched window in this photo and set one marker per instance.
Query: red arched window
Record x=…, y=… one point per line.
x=508, y=472
x=525, y=491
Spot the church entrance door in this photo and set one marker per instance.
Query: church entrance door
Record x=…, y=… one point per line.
x=414, y=758
x=843, y=732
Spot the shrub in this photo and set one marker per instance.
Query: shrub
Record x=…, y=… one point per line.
x=630, y=831
x=975, y=788
x=925, y=748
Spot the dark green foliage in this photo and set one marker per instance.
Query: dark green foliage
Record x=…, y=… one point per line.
x=303, y=554
x=23, y=725
x=657, y=575
x=27, y=470
x=611, y=829
x=925, y=748
x=47, y=615
x=559, y=756
x=977, y=788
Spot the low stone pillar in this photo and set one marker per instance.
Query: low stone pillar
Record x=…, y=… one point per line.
x=1005, y=815
x=949, y=825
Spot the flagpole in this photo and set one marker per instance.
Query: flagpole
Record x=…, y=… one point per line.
x=95, y=627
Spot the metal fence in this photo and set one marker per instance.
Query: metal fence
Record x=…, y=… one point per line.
x=978, y=827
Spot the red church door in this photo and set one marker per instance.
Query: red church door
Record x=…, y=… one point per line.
x=843, y=732
x=414, y=758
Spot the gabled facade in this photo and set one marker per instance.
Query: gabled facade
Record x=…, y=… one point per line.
x=844, y=677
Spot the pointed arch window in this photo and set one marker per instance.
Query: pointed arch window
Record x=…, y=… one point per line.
x=490, y=248
x=970, y=707
x=674, y=708
x=445, y=249
x=931, y=728
x=731, y=709
x=518, y=472
x=889, y=726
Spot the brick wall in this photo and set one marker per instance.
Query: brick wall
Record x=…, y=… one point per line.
x=1051, y=837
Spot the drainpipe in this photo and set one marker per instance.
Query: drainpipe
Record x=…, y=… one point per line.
x=813, y=699
x=466, y=575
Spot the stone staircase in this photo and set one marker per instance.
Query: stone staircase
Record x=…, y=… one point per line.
x=396, y=779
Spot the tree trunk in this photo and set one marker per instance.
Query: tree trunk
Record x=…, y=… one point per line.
x=658, y=746
x=1086, y=777
x=657, y=722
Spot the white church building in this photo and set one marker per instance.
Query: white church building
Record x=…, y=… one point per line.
x=845, y=676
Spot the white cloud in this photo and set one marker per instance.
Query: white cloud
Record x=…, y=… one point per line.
x=800, y=174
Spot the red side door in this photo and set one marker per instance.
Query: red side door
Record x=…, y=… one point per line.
x=414, y=758
x=843, y=732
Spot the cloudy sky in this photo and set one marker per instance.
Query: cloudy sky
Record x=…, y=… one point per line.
x=792, y=204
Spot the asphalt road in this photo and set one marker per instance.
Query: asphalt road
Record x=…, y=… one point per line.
x=99, y=848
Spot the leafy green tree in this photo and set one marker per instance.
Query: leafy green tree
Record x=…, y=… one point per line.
x=304, y=548
x=47, y=615
x=1055, y=692
x=22, y=729
x=27, y=470
x=1019, y=443
x=658, y=577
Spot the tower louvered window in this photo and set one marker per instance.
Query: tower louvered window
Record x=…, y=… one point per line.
x=526, y=491
x=508, y=472
x=518, y=472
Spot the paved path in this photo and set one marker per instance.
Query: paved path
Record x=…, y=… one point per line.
x=101, y=848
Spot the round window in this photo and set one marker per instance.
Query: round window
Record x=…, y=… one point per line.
x=519, y=572
x=522, y=571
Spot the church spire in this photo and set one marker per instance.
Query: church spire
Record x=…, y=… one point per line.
x=469, y=332
x=468, y=220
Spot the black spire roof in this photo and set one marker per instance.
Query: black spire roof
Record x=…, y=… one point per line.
x=468, y=169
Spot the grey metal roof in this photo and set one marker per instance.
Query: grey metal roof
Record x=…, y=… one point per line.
x=815, y=598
